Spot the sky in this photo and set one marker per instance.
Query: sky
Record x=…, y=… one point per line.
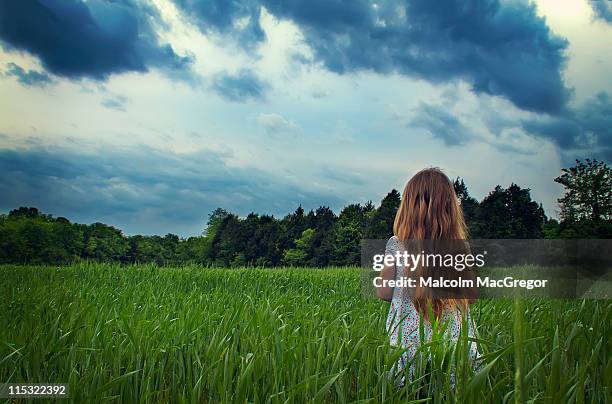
x=147, y=115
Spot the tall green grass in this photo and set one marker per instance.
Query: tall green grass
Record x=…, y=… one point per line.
x=146, y=334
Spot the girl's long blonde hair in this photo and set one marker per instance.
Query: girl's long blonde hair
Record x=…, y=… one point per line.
x=430, y=210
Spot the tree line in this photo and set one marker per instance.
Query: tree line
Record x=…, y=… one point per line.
x=315, y=238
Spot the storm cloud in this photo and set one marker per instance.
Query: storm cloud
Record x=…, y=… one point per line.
x=93, y=39
x=239, y=87
x=29, y=78
x=144, y=190
x=441, y=124
x=585, y=131
x=602, y=9
x=236, y=19
x=499, y=48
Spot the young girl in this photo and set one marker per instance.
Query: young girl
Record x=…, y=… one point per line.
x=429, y=211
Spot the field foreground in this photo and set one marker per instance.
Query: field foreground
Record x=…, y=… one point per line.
x=144, y=334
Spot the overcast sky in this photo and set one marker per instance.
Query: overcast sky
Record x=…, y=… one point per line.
x=148, y=115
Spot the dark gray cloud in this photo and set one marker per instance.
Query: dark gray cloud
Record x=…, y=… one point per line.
x=602, y=9
x=239, y=87
x=585, y=131
x=500, y=48
x=563, y=130
x=91, y=39
x=441, y=124
x=144, y=190
x=29, y=78
x=222, y=16
x=581, y=132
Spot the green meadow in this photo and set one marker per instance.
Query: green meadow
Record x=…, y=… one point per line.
x=194, y=334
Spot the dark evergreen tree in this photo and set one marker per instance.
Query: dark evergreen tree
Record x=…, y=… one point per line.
x=380, y=223
x=228, y=243
x=510, y=213
x=469, y=205
x=292, y=226
x=267, y=237
x=322, y=242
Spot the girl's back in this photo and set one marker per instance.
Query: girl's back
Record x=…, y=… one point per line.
x=403, y=320
x=429, y=212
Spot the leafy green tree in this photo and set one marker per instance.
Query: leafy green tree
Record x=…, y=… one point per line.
x=348, y=232
x=67, y=240
x=238, y=261
x=301, y=254
x=215, y=220
x=12, y=245
x=170, y=244
x=551, y=229
x=191, y=250
x=586, y=206
x=105, y=243
x=27, y=212
x=582, y=229
x=28, y=236
x=153, y=249
x=588, y=192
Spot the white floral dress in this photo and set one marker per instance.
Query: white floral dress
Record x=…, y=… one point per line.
x=403, y=321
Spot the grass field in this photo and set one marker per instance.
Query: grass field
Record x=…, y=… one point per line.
x=143, y=334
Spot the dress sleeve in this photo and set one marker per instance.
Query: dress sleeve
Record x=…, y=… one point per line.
x=392, y=246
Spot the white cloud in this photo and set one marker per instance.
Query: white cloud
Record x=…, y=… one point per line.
x=275, y=123
x=589, y=66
